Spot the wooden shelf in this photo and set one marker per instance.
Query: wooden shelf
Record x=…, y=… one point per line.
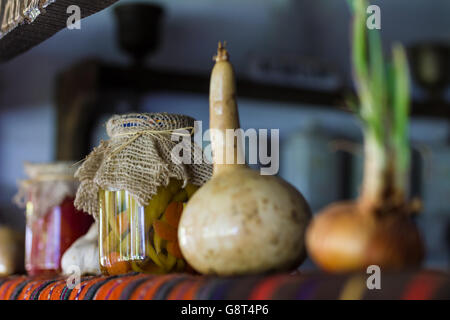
x=91, y=88
x=142, y=81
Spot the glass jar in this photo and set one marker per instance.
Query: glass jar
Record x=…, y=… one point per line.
x=49, y=236
x=135, y=185
x=142, y=238
x=52, y=222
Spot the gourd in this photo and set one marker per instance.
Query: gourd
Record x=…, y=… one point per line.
x=240, y=222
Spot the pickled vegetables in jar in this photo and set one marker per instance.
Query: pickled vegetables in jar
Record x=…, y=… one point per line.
x=135, y=185
x=142, y=238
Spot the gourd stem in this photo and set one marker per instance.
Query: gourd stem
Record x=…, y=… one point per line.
x=224, y=116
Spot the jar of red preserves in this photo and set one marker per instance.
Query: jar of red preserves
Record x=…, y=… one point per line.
x=52, y=222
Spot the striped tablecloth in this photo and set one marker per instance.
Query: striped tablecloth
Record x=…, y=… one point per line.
x=407, y=285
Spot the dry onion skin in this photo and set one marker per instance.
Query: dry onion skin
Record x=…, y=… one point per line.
x=346, y=237
x=375, y=229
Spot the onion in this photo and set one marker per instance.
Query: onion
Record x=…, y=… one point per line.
x=344, y=238
x=376, y=229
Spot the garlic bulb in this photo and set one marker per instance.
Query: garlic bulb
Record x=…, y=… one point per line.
x=83, y=254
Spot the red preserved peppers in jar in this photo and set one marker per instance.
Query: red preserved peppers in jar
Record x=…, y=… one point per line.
x=48, y=237
x=53, y=223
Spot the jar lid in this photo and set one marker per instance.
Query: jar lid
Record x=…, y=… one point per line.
x=53, y=171
x=48, y=185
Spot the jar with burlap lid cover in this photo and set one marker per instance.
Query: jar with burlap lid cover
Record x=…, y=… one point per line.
x=52, y=222
x=136, y=188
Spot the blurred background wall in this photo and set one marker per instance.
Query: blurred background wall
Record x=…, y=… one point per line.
x=316, y=29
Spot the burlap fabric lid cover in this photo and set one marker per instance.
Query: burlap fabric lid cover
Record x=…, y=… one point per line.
x=137, y=158
x=48, y=185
